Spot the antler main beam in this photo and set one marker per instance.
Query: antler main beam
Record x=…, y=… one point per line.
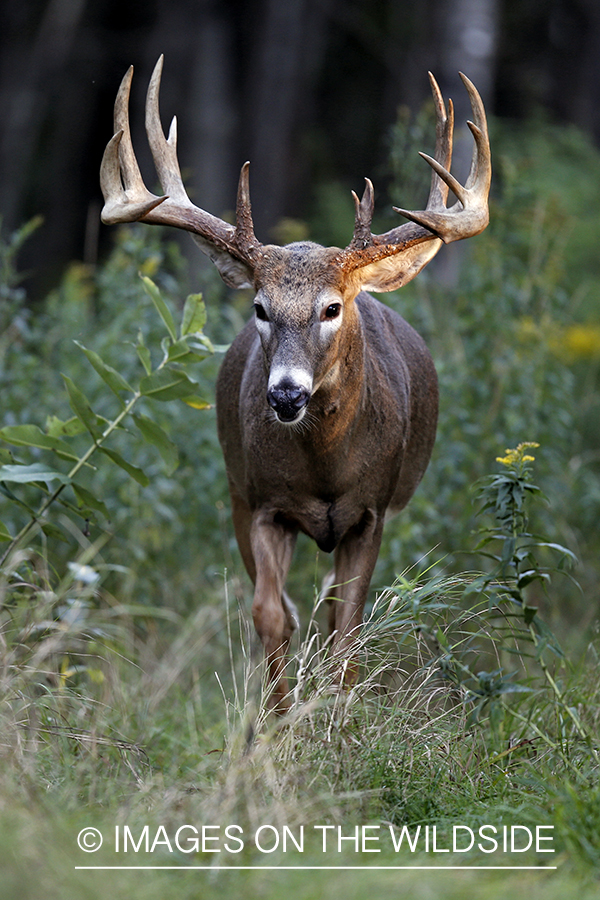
x=466, y=218
x=127, y=199
x=469, y=215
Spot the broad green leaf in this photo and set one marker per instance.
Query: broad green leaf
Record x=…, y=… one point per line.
x=53, y=531
x=136, y=473
x=178, y=351
x=155, y=435
x=81, y=407
x=14, y=499
x=87, y=499
x=557, y=547
x=144, y=355
x=113, y=379
x=526, y=578
x=57, y=428
x=32, y=436
x=162, y=308
x=167, y=384
x=5, y=534
x=28, y=474
x=194, y=315
x=182, y=351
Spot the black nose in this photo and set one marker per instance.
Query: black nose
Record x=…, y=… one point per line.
x=288, y=400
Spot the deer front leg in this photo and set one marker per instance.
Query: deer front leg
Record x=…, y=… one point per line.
x=272, y=546
x=355, y=559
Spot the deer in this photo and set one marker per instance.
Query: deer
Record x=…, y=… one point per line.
x=327, y=400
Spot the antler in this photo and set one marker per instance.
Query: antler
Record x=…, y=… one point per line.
x=466, y=218
x=127, y=199
x=235, y=249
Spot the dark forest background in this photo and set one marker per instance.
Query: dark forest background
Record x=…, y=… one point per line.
x=305, y=89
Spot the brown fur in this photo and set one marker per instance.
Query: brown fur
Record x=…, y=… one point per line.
x=370, y=434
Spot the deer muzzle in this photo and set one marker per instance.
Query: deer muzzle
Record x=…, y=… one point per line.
x=288, y=399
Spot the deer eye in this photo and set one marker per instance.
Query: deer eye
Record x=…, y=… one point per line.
x=332, y=311
x=260, y=312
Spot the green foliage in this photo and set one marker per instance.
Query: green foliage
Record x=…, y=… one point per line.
x=167, y=381
x=121, y=340
x=430, y=735
x=497, y=314
x=500, y=596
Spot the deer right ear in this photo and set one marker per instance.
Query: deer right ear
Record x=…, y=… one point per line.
x=393, y=272
x=234, y=272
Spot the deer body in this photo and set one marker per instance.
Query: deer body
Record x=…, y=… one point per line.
x=375, y=410
x=374, y=414
x=327, y=402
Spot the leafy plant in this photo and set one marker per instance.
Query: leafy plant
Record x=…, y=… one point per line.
x=168, y=380
x=481, y=633
x=497, y=315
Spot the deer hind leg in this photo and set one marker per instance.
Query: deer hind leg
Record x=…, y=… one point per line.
x=355, y=559
x=275, y=618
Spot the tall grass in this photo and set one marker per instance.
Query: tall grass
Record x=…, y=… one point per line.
x=107, y=722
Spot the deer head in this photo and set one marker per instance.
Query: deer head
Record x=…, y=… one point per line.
x=353, y=380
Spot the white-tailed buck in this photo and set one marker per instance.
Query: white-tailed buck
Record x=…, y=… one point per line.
x=327, y=401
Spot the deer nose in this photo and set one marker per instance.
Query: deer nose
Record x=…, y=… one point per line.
x=288, y=400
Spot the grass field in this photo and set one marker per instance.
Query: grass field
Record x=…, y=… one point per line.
x=106, y=726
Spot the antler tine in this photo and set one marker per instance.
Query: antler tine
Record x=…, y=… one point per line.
x=479, y=131
x=438, y=194
x=470, y=214
x=126, y=198
x=363, y=217
x=164, y=150
x=444, y=128
x=466, y=218
x=245, y=238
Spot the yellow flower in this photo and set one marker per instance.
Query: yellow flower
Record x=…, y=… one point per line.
x=582, y=341
x=507, y=460
x=517, y=455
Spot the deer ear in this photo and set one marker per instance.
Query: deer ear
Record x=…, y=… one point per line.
x=234, y=272
x=392, y=272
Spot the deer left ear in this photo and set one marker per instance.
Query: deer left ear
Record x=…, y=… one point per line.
x=234, y=272
x=393, y=272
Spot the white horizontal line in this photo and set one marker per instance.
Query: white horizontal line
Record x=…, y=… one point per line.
x=314, y=868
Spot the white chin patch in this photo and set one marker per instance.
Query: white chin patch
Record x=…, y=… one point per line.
x=295, y=421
